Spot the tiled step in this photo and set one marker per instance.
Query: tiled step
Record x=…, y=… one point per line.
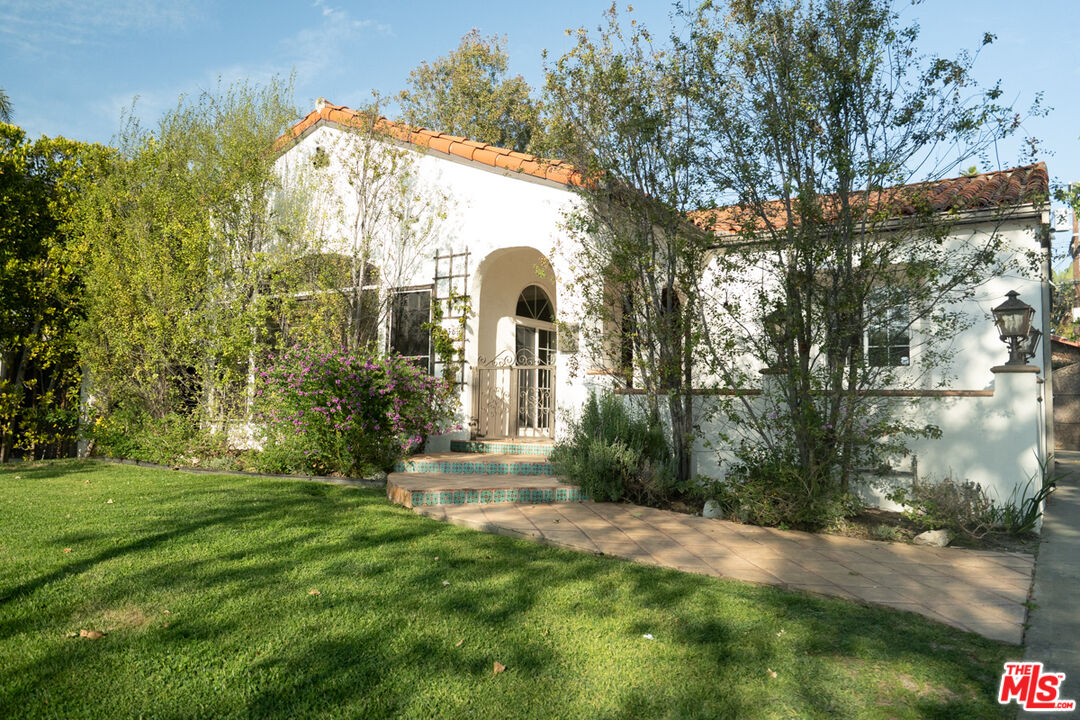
x=541, y=448
x=457, y=463
x=429, y=489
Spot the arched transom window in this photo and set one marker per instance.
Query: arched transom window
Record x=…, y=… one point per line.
x=535, y=304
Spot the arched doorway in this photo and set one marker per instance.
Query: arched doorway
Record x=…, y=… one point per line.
x=513, y=374
x=534, y=351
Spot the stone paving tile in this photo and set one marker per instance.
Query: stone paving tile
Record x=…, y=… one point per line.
x=623, y=549
x=569, y=538
x=970, y=614
x=1003, y=632
x=844, y=578
x=755, y=576
x=827, y=590
x=729, y=564
x=977, y=591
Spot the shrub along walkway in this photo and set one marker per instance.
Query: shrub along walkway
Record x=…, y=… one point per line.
x=979, y=591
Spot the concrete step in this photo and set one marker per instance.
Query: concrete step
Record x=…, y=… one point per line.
x=459, y=463
x=513, y=446
x=428, y=489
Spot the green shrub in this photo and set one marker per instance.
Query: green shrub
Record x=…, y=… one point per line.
x=1021, y=513
x=347, y=413
x=169, y=440
x=962, y=507
x=768, y=488
x=615, y=453
x=885, y=532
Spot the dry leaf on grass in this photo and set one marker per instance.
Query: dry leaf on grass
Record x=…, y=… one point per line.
x=164, y=612
x=109, y=501
x=313, y=592
x=91, y=634
x=772, y=673
x=67, y=550
x=499, y=667
x=445, y=582
x=459, y=643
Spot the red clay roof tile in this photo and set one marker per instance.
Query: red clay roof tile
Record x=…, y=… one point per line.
x=1001, y=188
x=433, y=140
x=440, y=144
x=462, y=150
x=508, y=162
x=485, y=155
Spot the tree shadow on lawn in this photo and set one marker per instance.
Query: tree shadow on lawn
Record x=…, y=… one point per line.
x=29, y=470
x=380, y=638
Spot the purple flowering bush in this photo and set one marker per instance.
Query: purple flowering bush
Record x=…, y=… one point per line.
x=346, y=413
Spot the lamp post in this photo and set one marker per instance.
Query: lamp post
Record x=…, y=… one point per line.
x=1013, y=320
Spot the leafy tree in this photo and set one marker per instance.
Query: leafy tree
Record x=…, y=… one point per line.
x=623, y=114
x=819, y=114
x=1066, y=298
x=184, y=238
x=41, y=263
x=468, y=93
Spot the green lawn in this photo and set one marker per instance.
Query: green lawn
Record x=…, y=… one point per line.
x=202, y=585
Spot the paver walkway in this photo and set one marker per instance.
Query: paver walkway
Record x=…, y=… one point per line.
x=979, y=591
x=1053, y=637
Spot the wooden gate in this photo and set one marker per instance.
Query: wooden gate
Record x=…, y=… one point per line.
x=1066, y=382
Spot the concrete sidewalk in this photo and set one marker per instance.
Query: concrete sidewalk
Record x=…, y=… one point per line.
x=1053, y=635
x=979, y=591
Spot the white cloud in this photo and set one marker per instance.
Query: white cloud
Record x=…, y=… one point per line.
x=309, y=55
x=40, y=26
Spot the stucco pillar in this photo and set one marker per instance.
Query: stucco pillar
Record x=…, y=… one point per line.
x=1017, y=458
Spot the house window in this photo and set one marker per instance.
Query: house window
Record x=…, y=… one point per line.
x=410, y=312
x=888, y=332
x=533, y=303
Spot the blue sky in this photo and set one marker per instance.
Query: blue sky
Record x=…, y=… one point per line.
x=71, y=66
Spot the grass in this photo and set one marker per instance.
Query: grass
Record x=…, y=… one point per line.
x=202, y=585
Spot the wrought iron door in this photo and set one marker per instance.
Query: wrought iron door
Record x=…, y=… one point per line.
x=514, y=395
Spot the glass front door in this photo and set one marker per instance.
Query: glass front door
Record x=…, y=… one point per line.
x=534, y=360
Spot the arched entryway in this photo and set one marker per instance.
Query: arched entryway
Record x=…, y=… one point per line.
x=513, y=388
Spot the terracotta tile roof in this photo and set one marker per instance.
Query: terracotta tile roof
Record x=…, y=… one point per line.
x=1002, y=188
x=1064, y=341
x=554, y=170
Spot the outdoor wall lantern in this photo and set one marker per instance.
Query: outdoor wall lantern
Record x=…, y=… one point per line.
x=778, y=333
x=1013, y=320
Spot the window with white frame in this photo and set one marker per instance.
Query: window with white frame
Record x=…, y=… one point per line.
x=410, y=312
x=888, y=331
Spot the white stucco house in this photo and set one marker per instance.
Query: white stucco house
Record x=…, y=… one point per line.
x=500, y=244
